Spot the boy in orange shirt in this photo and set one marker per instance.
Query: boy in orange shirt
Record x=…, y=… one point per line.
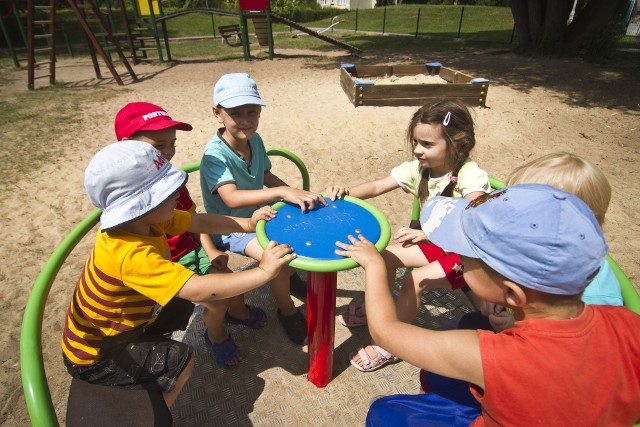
x=532, y=248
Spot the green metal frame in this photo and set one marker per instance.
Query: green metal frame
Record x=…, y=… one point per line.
x=34, y=379
x=244, y=29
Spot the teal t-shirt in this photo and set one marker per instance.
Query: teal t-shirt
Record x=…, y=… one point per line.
x=222, y=165
x=604, y=289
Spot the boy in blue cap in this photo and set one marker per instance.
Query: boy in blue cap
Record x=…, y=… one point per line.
x=533, y=248
x=236, y=178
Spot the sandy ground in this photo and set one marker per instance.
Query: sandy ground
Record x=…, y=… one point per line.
x=534, y=106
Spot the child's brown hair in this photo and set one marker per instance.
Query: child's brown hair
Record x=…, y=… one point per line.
x=456, y=124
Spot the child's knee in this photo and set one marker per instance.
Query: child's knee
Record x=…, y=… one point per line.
x=188, y=370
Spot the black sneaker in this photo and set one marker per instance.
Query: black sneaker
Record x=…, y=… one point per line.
x=295, y=326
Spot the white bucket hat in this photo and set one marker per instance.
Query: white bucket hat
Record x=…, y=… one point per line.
x=129, y=179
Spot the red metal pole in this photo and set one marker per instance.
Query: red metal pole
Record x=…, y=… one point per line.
x=321, y=311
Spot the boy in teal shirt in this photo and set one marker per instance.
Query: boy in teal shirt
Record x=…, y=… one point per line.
x=236, y=178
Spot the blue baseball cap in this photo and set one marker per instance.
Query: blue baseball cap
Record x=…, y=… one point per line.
x=535, y=235
x=236, y=89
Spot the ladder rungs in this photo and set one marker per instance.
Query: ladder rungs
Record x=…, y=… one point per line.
x=42, y=49
x=42, y=36
x=42, y=77
x=40, y=64
x=42, y=22
x=146, y=48
x=41, y=7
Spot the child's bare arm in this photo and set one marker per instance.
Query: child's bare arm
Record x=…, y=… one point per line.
x=218, y=259
x=220, y=224
x=211, y=287
x=366, y=190
x=474, y=195
x=273, y=180
x=234, y=198
x=455, y=354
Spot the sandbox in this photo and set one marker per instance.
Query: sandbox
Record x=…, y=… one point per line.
x=363, y=86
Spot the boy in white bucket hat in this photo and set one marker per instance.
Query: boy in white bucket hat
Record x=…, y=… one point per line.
x=113, y=333
x=236, y=178
x=533, y=248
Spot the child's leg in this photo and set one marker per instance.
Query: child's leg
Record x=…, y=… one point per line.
x=431, y=276
x=289, y=315
x=216, y=333
x=397, y=256
x=171, y=396
x=439, y=270
x=279, y=285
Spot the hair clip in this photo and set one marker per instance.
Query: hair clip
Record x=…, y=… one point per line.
x=453, y=179
x=447, y=119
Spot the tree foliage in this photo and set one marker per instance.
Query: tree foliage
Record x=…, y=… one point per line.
x=544, y=26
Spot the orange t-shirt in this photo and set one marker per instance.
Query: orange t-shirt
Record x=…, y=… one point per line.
x=578, y=372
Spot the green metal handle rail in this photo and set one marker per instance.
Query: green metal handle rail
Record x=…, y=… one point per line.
x=34, y=380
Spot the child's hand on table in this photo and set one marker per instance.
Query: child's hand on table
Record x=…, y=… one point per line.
x=409, y=236
x=360, y=250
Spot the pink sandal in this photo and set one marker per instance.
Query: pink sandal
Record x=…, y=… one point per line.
x=351, y=318
x=383, y=357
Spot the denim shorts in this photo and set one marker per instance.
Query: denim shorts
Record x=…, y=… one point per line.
x=149, y=362
x=236, y=242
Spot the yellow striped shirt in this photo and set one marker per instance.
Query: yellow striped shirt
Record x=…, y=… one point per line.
x=123, y=281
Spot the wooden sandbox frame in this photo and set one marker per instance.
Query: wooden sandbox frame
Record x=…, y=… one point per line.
x=361, y=92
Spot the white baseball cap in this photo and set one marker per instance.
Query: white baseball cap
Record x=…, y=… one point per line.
x=236, y=89
x=129, y=179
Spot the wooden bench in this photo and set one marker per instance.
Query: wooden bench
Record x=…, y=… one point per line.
x=227, y=31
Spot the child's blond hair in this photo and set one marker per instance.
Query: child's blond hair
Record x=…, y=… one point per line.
x=570, y=173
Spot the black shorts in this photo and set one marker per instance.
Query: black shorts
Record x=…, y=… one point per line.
x=142, y=358
x=149, y=362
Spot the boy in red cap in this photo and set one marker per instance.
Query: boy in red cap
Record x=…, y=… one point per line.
x=150, y=123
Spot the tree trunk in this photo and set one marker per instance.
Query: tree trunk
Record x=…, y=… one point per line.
x=521, y=19
x=542, y=24
x=595, y=16
x=555, y=22
x=536, y=11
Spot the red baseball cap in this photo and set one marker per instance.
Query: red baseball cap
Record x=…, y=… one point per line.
x=137, y=116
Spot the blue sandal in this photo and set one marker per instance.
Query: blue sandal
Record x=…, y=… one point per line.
x=224, y=351
x=256, y=317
